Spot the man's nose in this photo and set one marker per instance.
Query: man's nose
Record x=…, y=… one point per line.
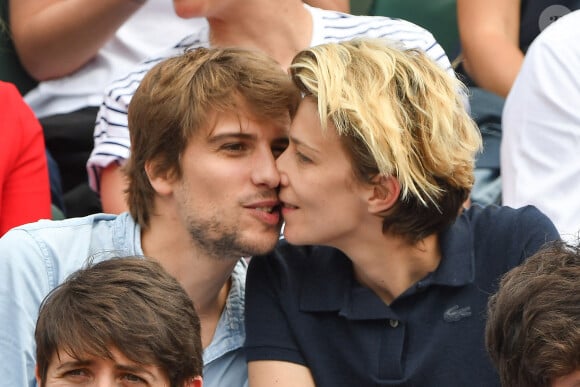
x=281, y=167
x=265, y=171
x=105, y=381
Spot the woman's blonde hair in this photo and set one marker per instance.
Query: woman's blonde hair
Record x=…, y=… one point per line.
x=398, y=113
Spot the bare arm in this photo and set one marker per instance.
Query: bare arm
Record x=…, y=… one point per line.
x=54, y=38
x=113, y=185
x=489, y=31
x=337, y=5
x=278, y=373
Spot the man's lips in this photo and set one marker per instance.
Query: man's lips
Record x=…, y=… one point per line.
x=265, y=205
x=267, y=211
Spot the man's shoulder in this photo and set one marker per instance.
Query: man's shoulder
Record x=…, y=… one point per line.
x=49, y=235
x=46, y=252
x=66, y=224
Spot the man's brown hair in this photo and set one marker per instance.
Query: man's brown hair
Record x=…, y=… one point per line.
x=533, y=324
x=131, y=304
x=182, y=95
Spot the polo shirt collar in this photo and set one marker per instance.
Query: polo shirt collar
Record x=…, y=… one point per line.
x=458, y=259
x=326, y=290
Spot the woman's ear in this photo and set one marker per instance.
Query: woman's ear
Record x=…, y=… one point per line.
x=385, y=193
x=162, y=183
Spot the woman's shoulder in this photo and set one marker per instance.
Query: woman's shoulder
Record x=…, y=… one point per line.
x=510, y=233
x=497, y=216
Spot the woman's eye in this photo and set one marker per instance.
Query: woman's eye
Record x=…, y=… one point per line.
x=302, y=159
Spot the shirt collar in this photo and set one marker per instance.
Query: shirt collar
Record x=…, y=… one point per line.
x=457, y=262
x=230, y=332
x=330, y=286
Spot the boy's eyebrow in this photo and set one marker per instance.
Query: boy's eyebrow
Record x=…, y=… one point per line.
x=134, y=368
x=74, y=363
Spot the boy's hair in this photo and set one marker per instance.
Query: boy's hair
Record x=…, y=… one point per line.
x=533, y=324
x=181, y=96
x=398, y=113
x=128, y=303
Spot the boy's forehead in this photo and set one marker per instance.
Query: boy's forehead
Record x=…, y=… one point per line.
x=88, y=353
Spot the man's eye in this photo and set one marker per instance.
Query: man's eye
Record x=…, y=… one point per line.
x=234, y=147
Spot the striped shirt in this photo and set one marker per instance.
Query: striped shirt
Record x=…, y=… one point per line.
x=112, y=135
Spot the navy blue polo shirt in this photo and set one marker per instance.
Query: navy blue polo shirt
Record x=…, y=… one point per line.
x=304, y=306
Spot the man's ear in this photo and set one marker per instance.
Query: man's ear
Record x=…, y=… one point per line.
x=385, y=193
x=37, y=376
x=162, y=183
x=194, y=382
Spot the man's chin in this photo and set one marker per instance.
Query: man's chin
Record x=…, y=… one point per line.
x=262, y=245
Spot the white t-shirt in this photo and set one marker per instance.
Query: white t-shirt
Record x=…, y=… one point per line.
x=153, y=27
x=540, y=151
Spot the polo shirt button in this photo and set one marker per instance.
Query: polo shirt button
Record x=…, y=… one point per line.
x=394, y=323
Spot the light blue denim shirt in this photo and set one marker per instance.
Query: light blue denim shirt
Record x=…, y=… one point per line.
x=37, y=257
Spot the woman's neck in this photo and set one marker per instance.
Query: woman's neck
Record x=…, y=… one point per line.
x=391, y=264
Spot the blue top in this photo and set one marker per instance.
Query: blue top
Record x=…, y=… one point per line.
x=37, y=257
x=304, y=306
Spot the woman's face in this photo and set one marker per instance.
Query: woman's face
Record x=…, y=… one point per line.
x=322, y=201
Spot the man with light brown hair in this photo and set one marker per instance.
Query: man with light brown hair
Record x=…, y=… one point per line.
x=206, y=128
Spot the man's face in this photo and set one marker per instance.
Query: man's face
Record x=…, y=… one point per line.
x=227, y=196
x=65, y=370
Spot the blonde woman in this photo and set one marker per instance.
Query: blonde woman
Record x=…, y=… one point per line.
x=379, y=164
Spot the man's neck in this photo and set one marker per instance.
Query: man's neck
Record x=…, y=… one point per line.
x=207, y=280
x=278, y=28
